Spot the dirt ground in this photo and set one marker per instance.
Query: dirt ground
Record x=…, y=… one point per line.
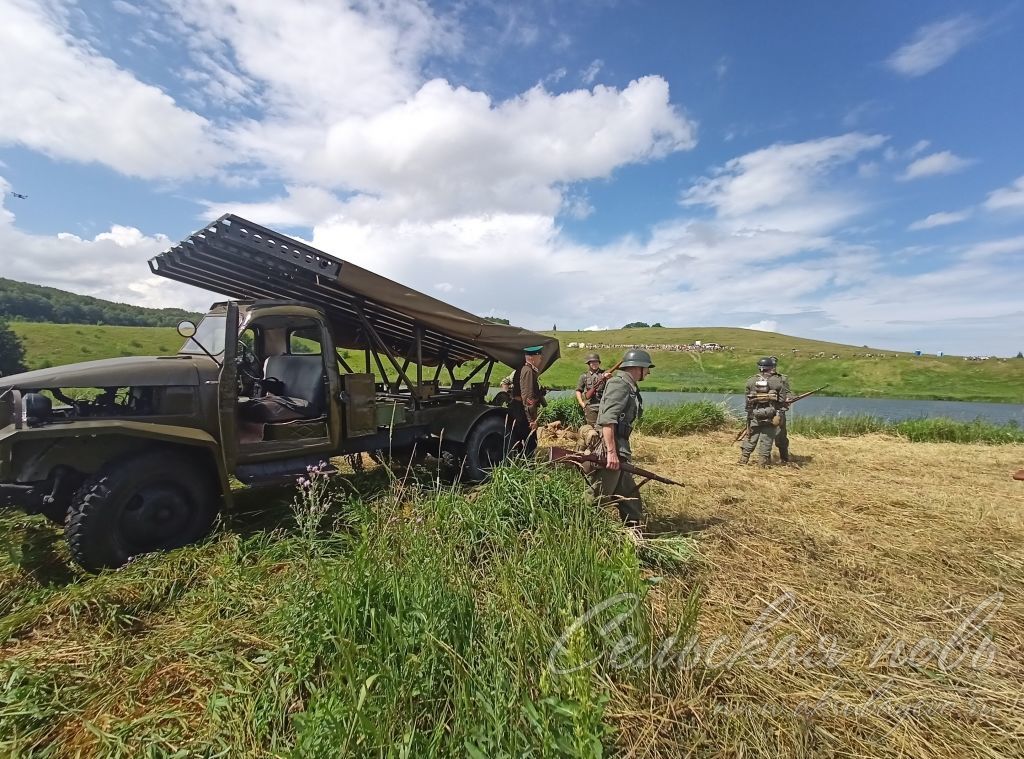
x=867, y=602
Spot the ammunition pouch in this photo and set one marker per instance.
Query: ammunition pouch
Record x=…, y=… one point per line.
x=762, y=414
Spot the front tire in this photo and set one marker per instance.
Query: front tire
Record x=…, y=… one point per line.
x=485, y=448
x=150, y=502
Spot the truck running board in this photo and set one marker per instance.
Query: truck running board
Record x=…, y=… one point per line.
x=277, y=472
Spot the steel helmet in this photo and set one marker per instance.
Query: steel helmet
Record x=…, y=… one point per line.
x=768, y=362
x=592, y=357
x=637, y=357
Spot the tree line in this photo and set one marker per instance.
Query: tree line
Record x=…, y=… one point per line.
x=21, y=301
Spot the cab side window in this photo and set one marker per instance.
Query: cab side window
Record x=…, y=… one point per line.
x=305, y=341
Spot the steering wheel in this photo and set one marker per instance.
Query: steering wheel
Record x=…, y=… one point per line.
x=246, y=362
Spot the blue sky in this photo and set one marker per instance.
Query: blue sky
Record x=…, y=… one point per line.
x=850, y=172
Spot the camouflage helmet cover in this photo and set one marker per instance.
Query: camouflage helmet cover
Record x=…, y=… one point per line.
x=637, y=357
x=592, y=357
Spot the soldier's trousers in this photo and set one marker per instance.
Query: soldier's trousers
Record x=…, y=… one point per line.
x=761, y=437
x=613, y=486
x=520, y=437
x=590, y=434
x=590, y=414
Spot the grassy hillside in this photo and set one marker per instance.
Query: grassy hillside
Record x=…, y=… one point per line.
x=885, y=374
x=21, y=301
x=57, y=344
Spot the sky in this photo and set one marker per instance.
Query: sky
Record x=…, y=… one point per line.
x=851, y=172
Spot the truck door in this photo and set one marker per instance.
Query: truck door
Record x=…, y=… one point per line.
x=227, y=391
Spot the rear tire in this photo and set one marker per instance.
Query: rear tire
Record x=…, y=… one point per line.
x=485, y=448
x=150, y=502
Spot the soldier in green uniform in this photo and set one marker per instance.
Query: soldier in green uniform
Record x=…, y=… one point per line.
x=766, y=395
x=527, y=399
x=621, y=405
x=594, y=377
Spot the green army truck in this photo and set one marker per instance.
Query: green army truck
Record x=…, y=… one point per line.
x=134, y=455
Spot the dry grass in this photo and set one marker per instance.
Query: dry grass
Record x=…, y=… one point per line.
x=875, y=547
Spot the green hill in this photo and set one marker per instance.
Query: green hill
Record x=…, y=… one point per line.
x=868, y=372
x=21, y=301
x=882, y=374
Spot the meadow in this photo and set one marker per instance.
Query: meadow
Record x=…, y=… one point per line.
x=885, y=374
x=764, y=614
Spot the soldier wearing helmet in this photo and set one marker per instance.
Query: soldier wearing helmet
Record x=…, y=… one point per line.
x=592, y=379
x=767, y=393
x=621, y=405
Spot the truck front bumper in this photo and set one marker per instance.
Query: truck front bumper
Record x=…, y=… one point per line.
x=26, y=496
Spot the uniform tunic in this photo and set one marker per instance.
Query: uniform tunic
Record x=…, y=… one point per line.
x=621, y=405
x=590, y=379
x=761, y=409
x=524, y=408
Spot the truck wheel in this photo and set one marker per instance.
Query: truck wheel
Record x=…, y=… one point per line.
x=150, y=502
x=485, y=448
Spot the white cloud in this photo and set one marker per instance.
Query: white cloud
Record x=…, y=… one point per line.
x=781, y=186
x=62, y=98
x=589, y=74
x=1007, y=198
x=121, y=6
x=722, y=67
x=109, y=265
x=940, y=219
x=944, y=162
x=765, y=325
x=994, y=248
x=301, y=207
x=933, y=45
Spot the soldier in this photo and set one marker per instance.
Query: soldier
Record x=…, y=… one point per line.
x=766, y=393
x=527, y=398
x=621, y=406
x=594, y=377
x=504, y=396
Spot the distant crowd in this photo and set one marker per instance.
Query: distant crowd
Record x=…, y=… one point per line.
x=695, y=347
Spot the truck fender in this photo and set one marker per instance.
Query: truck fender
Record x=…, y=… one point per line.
x=36, y=451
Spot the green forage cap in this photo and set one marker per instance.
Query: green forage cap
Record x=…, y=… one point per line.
x=534, y=350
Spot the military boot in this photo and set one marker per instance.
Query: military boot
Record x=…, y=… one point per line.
x=784, y=453
x=744, y=459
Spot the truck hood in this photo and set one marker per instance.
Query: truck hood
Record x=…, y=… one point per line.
x=115, y=372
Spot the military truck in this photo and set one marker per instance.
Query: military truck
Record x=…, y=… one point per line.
x=134, y=455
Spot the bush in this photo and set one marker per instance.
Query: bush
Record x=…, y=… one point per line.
x=12, y=352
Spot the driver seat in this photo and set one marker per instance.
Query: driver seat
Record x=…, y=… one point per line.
x=298, y=390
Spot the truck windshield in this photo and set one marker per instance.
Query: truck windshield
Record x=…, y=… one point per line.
x=210, y=334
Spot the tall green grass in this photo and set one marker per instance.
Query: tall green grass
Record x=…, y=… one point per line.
x=914, y=430
x=419, y=621
x=683, y=419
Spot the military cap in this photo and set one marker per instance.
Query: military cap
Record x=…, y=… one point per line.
x=534, y=350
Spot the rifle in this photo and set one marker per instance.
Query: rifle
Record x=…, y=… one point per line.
x=600, y=383
x=564, y=455
x=788, y=402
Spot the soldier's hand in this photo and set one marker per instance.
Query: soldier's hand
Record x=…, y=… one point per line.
x=613, y=460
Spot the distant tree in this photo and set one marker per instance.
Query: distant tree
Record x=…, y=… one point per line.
x=12, y=352
x=658, y=325
x=554, y=328
x=636, y=325
x=495, y=319
x=1020, y=354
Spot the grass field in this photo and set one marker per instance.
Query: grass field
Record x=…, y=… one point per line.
x=865, y=603
x=884, y=375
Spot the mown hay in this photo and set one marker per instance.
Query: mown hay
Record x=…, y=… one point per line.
x=898, y=575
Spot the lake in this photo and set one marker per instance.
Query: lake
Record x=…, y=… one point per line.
x=892, y=409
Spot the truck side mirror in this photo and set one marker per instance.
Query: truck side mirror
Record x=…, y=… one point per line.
x=187, y=328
